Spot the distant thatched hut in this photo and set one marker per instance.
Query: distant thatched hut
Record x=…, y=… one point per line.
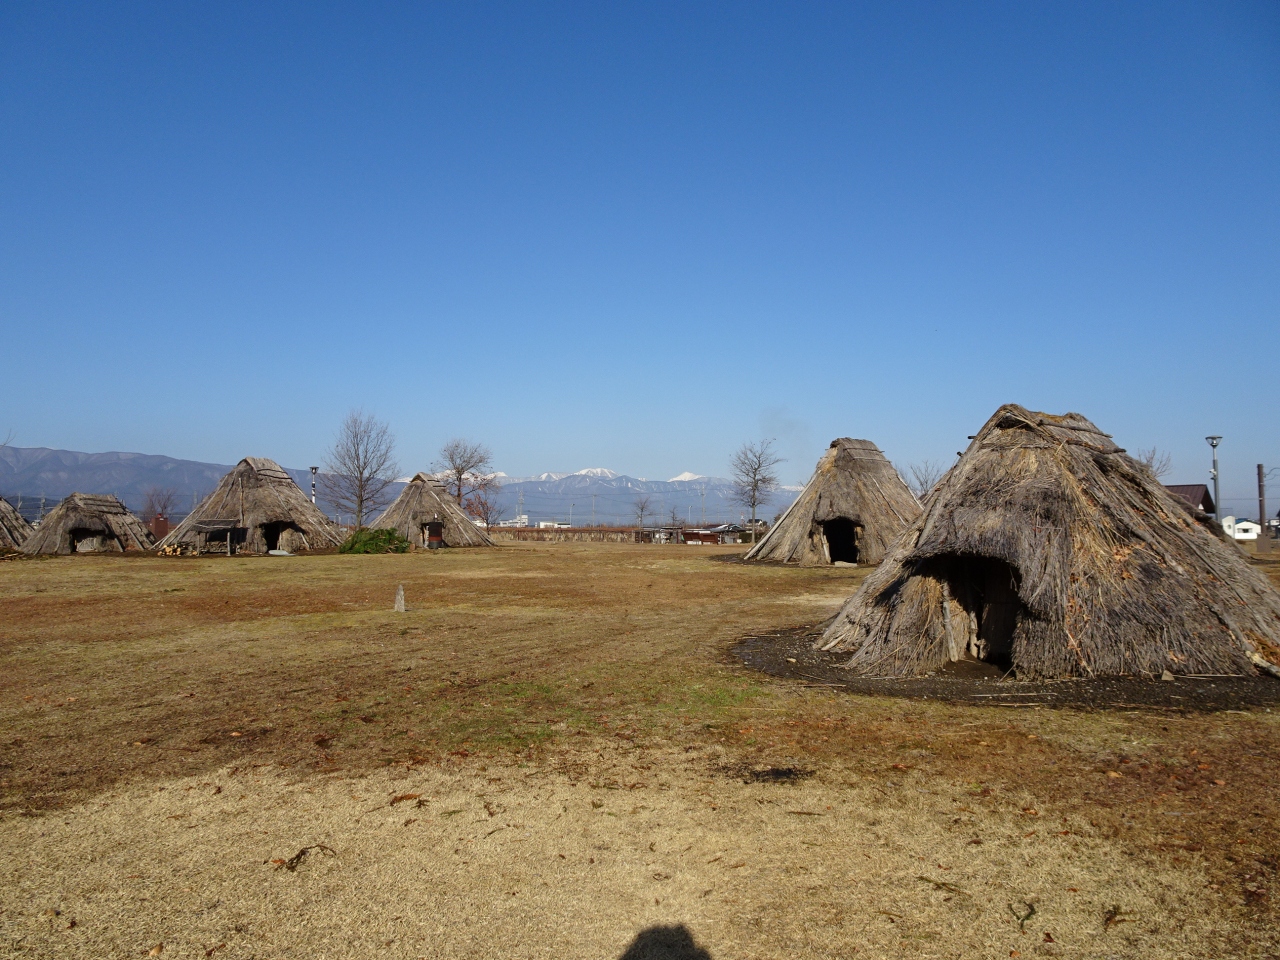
x=425, y=506
x=89, y=523
x=852, y=510
x=13, y=528
x=256, y=508
x=1048, y=551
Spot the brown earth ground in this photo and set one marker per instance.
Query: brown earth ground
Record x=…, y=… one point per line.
x=556, y=753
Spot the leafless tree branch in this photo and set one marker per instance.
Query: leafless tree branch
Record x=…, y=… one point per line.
x=923, y=477
x=754, y=476
x=360, y=466
x=643, y=508
x=483, y=505
x=158, y=501
x=1158, y=461
x=467, y=469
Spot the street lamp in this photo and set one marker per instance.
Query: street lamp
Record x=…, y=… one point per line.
x=1217, y=504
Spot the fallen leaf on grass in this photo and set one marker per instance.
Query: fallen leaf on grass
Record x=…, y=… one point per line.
x=156, y=950
x=214, y=949
x=1114, y=774
x=402, y=798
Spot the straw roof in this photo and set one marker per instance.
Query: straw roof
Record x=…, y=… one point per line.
x=259, y=508
x=852, y=509
x=13, y=528
x=1049, y=551
x=89, y=523
x=424, y=499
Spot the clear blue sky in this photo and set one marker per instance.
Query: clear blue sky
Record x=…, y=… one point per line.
x=635, y=236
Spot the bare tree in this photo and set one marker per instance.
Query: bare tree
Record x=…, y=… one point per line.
x=8, y=439
x=360, y=467
x=158, y=502
x=643, y=508
x=674, y=520
x=484, y=506
x=754, y=477
x=923, y=477
x=468, y=469
x=1156, y=460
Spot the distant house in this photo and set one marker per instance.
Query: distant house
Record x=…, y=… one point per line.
x=1241, y=529
x=1196, y=494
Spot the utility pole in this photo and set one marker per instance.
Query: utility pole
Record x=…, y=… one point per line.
x=1217, y=504
x=1264, y=537
x=593, y=509
x=571, y=516
x=703, y=491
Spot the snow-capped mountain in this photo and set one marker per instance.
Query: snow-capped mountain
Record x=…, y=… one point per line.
x=686, y=476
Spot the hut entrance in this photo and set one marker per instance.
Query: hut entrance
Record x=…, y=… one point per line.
x=433, y=534
x=987, y=590
x=92, y=541
x=842, y=540
x=271, y=533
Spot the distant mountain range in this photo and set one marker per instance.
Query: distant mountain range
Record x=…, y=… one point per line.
x=36, y=477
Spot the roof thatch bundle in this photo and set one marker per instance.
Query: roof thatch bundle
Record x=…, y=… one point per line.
x=1048, y=551
x=424, y=501
x=852, y=510
x=13, y=528
x=256, y=508
x=89, y=523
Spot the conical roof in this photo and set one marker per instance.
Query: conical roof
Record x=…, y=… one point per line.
x=260, y=507
x=89, y=523
x=424, y=499
x=14, y=530
x=852, y=509
x=1048, y=550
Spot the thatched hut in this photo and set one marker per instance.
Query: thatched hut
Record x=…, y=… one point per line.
x=13, y=528
x=1047, y=551
x=852, y=510
x=424, y=508
x=89, y=523
x=256, y=508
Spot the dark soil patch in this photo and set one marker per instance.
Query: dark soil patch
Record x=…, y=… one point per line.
x=766, y=774
x=790, y=654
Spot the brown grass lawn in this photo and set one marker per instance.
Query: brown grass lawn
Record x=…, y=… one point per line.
x=551, y=754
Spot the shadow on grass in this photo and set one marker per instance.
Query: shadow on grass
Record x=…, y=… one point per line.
x=665, y=943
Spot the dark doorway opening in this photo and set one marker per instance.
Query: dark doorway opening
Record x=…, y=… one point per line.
x=842, y=540
x=433, y=534
x=271, y=534
x=986, y=589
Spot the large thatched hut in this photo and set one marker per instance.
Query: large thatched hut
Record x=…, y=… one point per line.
x=256, y=508
x=852, y=510
x=425, y=507
x=14, y=530
x=89, y=523
x=1047, y=551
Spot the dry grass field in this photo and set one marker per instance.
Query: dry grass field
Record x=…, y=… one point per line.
x=553, y=754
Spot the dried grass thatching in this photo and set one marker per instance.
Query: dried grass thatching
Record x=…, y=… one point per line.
x=14, y=530
x=256, y=507
x=852, y=509
x=1049, y=551
x=425, y=500
x=89, y=523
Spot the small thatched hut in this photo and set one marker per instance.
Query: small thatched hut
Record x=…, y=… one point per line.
x=424, y=506
x=89, y=523
x=256, y=508
x=852, y=510
x=1048, y=551
x=13, y=528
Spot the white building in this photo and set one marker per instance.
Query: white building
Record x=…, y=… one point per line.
x=1241, y=529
